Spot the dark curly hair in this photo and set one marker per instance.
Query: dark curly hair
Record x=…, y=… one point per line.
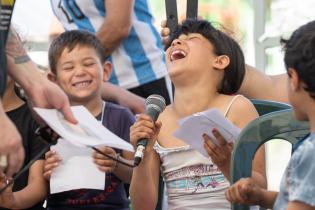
x=300, y=55
x=223, y=45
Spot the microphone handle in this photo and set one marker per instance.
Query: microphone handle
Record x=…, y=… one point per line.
x=142, y=143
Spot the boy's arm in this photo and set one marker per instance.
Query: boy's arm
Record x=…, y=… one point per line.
x=122, y=171
x=299, y=205
x=145, y=182
x=258, y=85
x=123, y=97
x=116, y=25
x=247, y=192
x=268, y=199
x=36, y=189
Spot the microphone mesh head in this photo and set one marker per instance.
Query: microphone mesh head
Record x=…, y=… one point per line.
x=156, y=100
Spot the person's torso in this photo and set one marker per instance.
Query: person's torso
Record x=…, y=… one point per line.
x=26, y=125
x=139, y=59
x=118, y=120
x=192, y=180
x=296, y=182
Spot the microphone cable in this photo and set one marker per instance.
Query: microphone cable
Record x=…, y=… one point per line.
x=49, y=137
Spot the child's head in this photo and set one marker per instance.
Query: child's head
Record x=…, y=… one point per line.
x=300, y=64
x=227, y=54
x=78, y=65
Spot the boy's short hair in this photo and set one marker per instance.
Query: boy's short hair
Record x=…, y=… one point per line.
x=69, y=40
x=300, y=55
x=223, y=45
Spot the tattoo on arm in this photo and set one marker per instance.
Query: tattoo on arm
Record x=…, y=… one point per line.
x=21, y=59
x=15, y=48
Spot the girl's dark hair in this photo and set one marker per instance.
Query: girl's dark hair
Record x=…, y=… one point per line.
x=300, y=55
x=223, y=45
x=69, y=40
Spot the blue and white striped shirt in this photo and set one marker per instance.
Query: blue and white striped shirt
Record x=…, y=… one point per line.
x=139, y=59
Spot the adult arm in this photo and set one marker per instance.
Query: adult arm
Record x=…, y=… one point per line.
x=40, y=91
x=10, y=145
x=116, y=25
x=124, y=97
x=258, y=85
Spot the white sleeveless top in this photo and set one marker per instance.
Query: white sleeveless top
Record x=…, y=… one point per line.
x=192, y=180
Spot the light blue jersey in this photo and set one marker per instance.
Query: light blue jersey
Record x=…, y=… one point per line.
x=298, y=182
x=139, y=59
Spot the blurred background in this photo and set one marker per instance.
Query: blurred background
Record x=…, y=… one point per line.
x=256, y=24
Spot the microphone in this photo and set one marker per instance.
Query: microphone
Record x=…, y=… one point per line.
x=154, y=105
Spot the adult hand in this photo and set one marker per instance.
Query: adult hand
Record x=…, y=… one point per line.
x=10, y=145
x=165, y=33
x=49, y=95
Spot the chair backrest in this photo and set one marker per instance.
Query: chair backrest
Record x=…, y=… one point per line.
x=265, y=106
x=275, y=125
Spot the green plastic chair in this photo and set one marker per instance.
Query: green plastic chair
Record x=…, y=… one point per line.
x=275, y=125
x=265, y=106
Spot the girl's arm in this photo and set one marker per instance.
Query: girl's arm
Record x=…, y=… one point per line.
x=243, y=112
x=145, y=178
x=145, y=182
x=35, y=191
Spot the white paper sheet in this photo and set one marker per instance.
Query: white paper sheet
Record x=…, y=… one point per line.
x=76, y=170
x=88, y=131
x=194, y=126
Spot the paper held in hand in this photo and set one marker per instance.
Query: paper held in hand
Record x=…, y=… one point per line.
x=194, y=126
x=88, y=132
x=77, y=169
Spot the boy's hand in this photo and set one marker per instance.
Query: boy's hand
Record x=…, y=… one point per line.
x=52, y=160
x=245, y=191
x=220, y=154
x=6, y=198
x=104, y=163
x=144, y=127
